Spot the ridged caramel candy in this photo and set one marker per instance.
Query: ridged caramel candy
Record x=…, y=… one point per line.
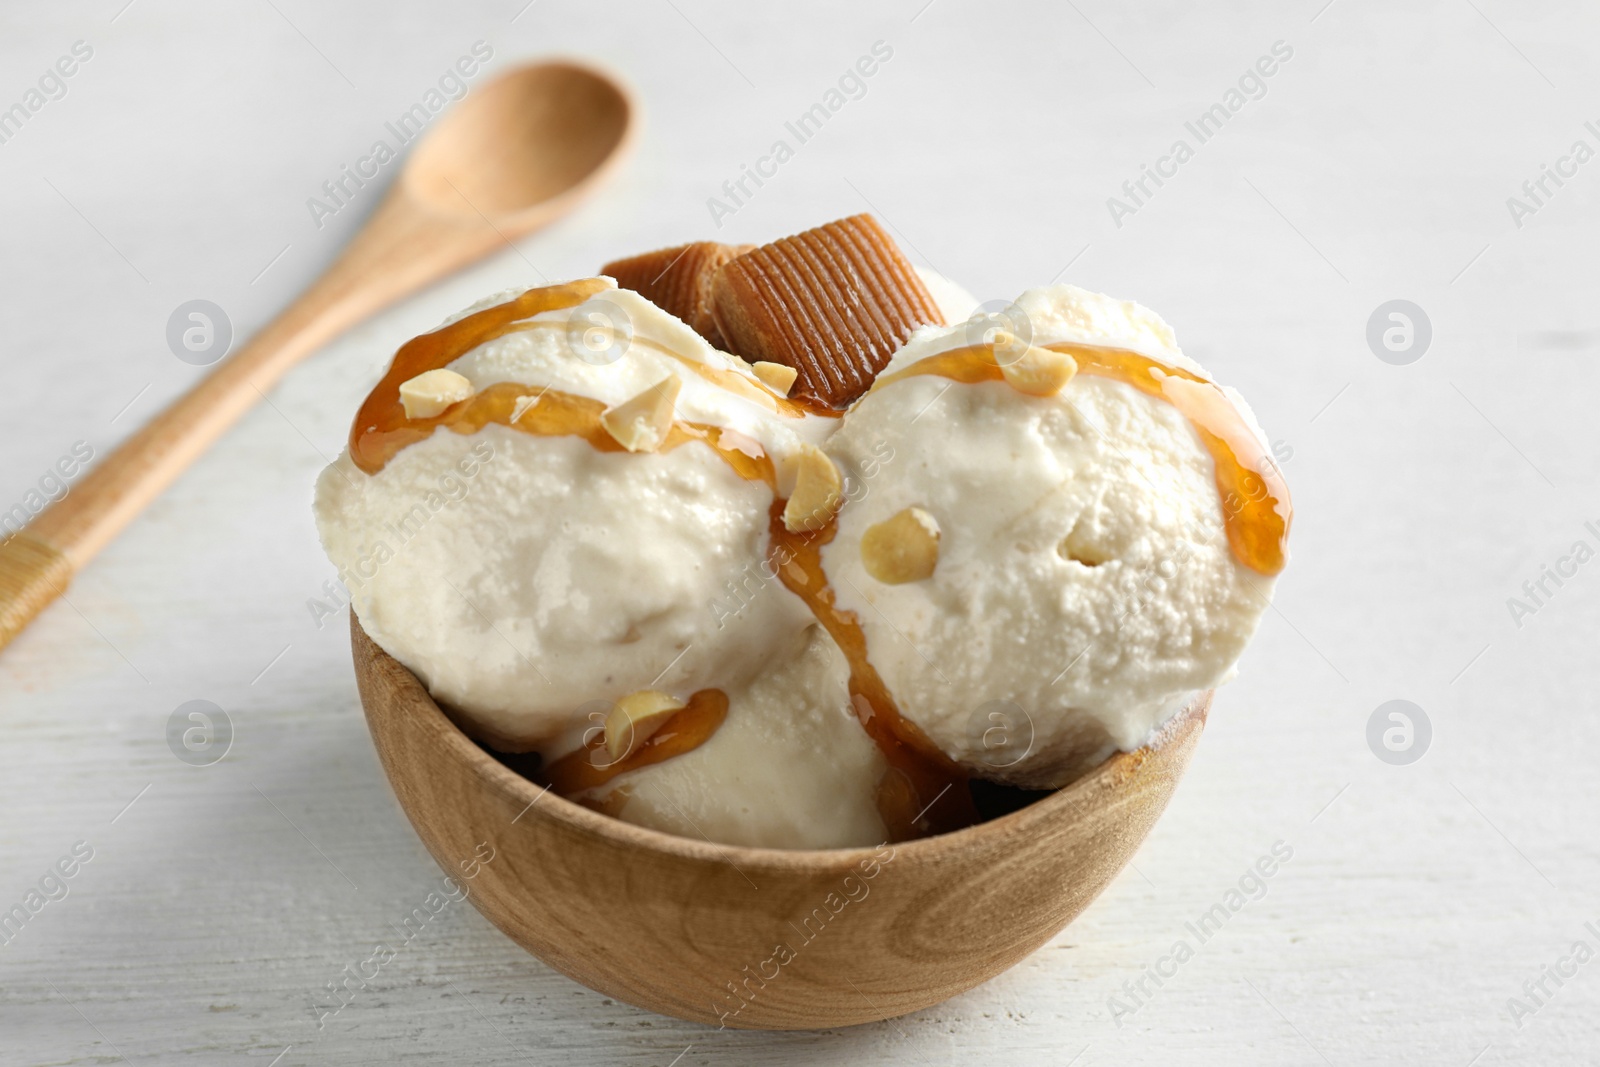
x=834, y=303
x=678, y=281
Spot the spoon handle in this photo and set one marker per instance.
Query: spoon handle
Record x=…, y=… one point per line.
x=398, y=251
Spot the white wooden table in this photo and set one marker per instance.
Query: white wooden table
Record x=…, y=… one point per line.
x=1419, y=899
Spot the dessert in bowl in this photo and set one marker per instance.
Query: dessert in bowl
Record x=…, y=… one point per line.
x=694, y=590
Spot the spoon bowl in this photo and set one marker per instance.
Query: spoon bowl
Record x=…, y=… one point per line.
x=522, y=144
x=748, y=937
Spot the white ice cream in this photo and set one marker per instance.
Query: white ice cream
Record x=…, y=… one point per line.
x=1082, y=581
x=560, y=575
x=1084, y=586
x=521, y=576
x=791, y=767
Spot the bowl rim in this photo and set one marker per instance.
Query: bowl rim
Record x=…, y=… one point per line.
x=1188, y=720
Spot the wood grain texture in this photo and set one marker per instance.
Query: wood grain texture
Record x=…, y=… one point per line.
x=515, y=157
x=698, y=930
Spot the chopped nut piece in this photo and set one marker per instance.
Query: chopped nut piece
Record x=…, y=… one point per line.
x=817, y=490
x=642, y=424
x=904, y=548
x=777, y=377
x=634, y=718
x=834, y=303
x=522, y=405
x=678, y=281
x=1033, y=370
x=431, y=392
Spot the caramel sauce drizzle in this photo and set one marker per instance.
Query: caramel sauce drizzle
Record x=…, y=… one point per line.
x=381, y=428
x=589, y=767
x=1256, y=511
x=924, y=791
x=557, y=414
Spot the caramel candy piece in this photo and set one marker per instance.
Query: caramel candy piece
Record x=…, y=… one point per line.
x=834, y=303
x=678, y=281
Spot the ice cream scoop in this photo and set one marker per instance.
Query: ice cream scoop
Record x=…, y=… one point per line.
x=790, y=768
x=523, y=571
x=1076, y=583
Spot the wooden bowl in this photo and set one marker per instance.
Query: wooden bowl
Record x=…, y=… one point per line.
x=749, y=937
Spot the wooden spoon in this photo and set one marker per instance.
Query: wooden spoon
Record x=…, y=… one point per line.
x=517, y=155
x=693, y=929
